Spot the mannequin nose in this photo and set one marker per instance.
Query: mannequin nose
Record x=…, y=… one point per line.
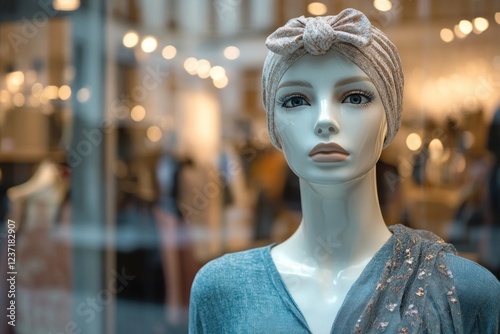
x=325, y=129
x=326, y=123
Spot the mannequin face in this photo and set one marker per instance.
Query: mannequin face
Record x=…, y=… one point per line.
x=329, y=101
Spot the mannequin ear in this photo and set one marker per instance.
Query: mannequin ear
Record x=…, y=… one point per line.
x=277, y=134
x=386, y=130
x=279, y=141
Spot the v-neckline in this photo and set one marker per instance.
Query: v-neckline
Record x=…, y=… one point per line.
x=371, y=272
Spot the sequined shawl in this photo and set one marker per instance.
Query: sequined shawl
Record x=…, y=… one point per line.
x=416, y=289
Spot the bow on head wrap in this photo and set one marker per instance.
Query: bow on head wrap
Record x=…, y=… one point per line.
x=349, y=33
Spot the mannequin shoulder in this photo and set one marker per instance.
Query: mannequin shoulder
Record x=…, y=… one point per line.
x=229, y=272
x=478, y=291
x=473, y=279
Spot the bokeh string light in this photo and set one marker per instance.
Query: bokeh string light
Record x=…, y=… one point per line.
x=231, y=52
x=169, y=52
x=149, y=44
x=465, y=27
x=447, y=35
x=317, y=8
x=480, y=24
x=130, y=39
x=382, y=5
x=201, y=67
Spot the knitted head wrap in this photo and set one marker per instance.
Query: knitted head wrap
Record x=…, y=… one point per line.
x=349, y=33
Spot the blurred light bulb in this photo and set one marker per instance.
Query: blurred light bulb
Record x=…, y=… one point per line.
x=221, y=83
x=169, y=52
x=481, y=24
x=130, y=39
x=83, y=95
x=436, y=148
x=14, y=80
x=317, y=8
x=66, y=5
x=50, y=92
x=382, y=5
x=154, y=133
x=64, y=92
x=191, y=65
x=203, y=68
x=231, y=52
x=459, y=32
x=36, y=89
x=497, y=17
x=447, y=35
x=138, y=113
x=413, y=141
x=217, y=72
x=18, y=100
x=149, y=44
x=465, y=27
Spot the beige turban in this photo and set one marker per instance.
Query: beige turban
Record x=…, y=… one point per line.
x=349, y=33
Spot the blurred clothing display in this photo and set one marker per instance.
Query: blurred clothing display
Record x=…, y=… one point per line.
x=41, y=208
x=491, y=247
x=494, y=183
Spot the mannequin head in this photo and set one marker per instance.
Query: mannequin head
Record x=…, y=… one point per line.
x=350, y=34
x=341, y=106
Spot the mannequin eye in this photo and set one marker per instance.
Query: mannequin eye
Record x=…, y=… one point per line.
x=294, y=101
x=358, y=98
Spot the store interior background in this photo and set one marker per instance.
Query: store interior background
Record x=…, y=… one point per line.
x=134, y=149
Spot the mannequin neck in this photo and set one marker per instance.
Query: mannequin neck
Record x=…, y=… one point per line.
x=342, y=224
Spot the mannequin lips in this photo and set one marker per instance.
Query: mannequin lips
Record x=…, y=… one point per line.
x=328, y=152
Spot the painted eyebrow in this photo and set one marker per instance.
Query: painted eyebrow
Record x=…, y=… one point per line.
x=350, y=80
x=343, y=82
x=295, y=83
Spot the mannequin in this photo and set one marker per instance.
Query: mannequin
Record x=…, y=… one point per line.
x=41, y=210
x=46, y=187
x=332, y=90
x=334, y=186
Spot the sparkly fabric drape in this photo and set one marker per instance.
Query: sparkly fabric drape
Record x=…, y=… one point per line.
x=415, y=289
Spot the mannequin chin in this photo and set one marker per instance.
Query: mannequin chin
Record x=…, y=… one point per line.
x=328, y=99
